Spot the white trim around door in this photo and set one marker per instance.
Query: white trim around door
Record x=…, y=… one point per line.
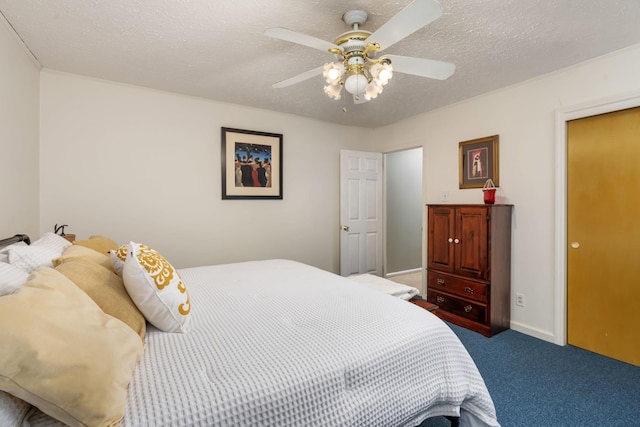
x=602, y=106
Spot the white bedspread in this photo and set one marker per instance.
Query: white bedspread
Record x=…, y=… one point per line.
x=279, y=343
x=385, y=285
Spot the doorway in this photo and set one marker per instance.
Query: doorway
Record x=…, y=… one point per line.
x=403, y=219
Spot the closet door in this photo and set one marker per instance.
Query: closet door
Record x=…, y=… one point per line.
x=603, y=231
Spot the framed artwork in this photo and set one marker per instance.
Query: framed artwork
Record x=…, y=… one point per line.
x=251, y=164
x=478, y=161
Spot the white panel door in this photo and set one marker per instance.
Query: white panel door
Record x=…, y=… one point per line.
x=360, y=212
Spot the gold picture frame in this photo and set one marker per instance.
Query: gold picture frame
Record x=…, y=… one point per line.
x=478, y=162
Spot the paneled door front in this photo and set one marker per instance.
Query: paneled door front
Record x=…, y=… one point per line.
x=603, y=231
x=472, y=253
x=442, y=230
x=360, y=212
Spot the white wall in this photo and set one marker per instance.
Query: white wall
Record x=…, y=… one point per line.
x=524, y=117
x=138, y=164
x=19, y=98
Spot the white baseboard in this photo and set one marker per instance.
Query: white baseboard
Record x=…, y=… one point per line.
x=399, y=273
x=536, y=333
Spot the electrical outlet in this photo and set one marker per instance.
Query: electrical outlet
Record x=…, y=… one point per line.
x=444, y=196
x=520, y=301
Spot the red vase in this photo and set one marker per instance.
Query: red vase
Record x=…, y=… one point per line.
x=489, y=196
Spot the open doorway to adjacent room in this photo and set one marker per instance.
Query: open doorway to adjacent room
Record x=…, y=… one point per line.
x=403, y=219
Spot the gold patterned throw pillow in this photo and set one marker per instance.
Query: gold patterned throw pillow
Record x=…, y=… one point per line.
x=156, y=288
x=118, y=257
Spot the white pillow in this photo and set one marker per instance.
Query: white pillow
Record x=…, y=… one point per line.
x=39, y=254
x=12, y=410
x=118, y=258
x=156, y=288
x=4, y=252
x=52, y=241
x=11, y=277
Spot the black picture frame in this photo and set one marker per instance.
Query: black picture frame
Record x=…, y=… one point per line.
x=251, y=164
x=478, y=162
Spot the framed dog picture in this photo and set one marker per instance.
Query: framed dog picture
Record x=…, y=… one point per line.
x=478, y=161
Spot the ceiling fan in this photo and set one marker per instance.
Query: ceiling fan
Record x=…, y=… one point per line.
x=359, y=67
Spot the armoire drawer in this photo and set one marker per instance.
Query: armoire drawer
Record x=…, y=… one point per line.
x=465, y=308
x=465, y=288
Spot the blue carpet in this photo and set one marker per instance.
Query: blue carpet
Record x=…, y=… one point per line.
x=536, y=383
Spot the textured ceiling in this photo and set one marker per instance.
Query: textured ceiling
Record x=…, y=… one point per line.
x=217, y=50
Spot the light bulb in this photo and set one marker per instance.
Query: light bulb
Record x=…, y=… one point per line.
x=356, y=84
x=384, y=76
x=333, y=72
x=382, y=73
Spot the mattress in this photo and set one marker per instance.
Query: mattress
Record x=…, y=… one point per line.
x=280, y=343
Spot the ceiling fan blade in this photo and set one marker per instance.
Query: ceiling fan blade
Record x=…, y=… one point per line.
x=299, y=38
x=410, y=19
x=421, y=67
x=299, y=78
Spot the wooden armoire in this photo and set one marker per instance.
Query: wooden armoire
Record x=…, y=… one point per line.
x=469, y=265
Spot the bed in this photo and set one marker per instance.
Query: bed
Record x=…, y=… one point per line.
x=280, y=343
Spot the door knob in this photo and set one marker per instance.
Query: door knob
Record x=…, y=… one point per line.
x=575, y=245
x=457, y=240
x=450, y=240
x=345, y=227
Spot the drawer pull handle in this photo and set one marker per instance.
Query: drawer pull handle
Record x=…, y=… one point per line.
x=468, y=290
x=468, y=308
x=440, y=282
x=440, y=299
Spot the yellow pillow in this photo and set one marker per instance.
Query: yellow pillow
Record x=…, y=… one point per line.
x=106, y=289
x=82, y=252
x=62, y=354
x=156, y=288
x=98, y=243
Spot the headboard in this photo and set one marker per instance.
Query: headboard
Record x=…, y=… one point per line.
x=15, y=239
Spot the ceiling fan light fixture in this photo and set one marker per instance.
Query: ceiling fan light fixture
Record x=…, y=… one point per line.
x=372, y=91
x=358, y=67
x=333, y=91
x=333, y=72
